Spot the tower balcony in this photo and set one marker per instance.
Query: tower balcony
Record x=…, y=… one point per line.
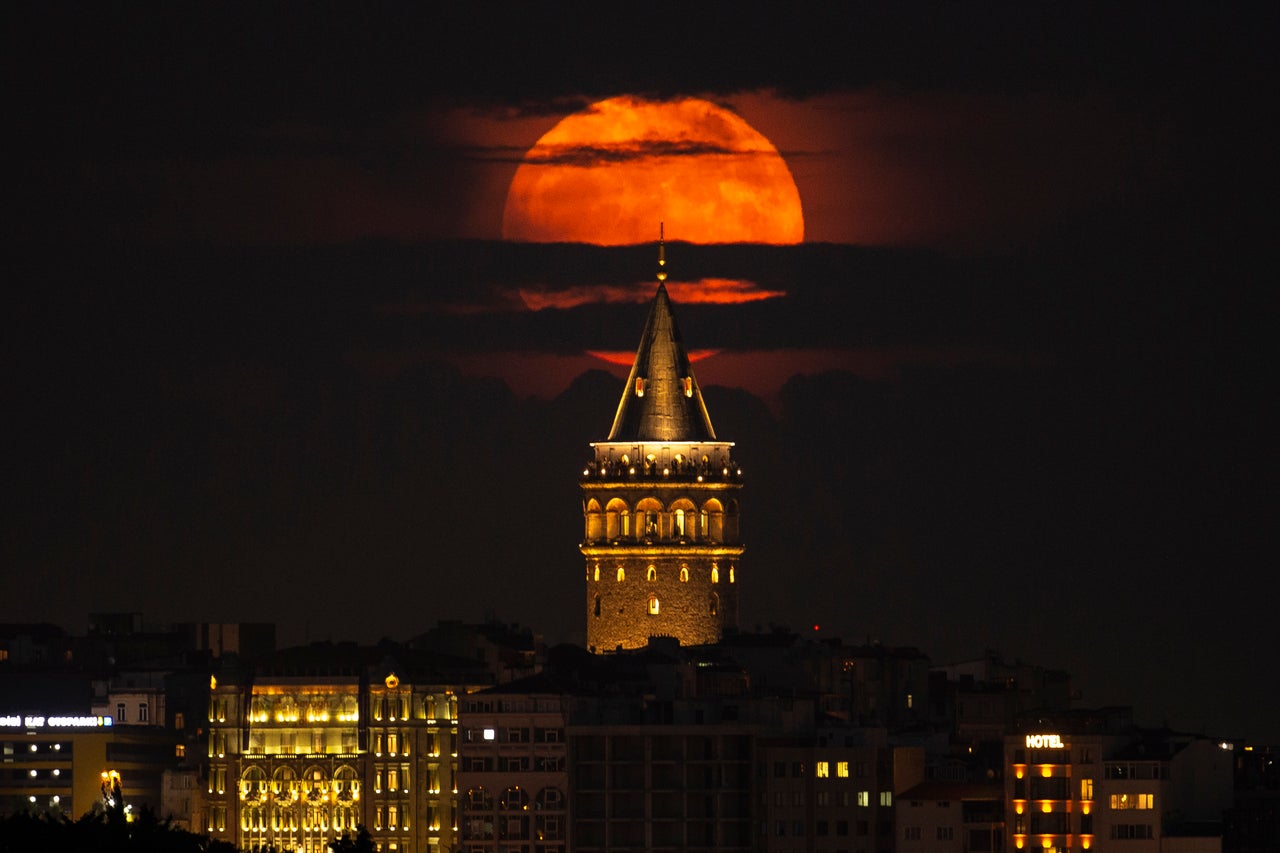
x=673, y=472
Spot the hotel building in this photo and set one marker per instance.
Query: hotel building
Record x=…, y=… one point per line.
x=1091, y=780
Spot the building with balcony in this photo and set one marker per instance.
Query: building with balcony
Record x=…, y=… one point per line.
x=320, y=741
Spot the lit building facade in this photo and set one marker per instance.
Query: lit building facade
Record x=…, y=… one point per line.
x=300, y=755
x=660, y=504
x=1088, y=787
x=57, y=764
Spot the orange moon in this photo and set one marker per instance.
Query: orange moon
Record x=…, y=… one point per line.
x=609, y=174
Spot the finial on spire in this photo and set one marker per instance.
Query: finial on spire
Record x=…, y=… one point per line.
x=662, y=253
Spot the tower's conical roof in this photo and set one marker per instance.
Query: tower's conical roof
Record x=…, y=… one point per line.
x=661, y=401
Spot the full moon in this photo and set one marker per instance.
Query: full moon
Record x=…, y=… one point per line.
x=609, y=174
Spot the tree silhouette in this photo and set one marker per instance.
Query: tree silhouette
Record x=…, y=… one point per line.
x=362, y=843
x=101, y=832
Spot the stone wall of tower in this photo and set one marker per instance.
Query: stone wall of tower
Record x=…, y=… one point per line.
x=662, y=557
x=620, y=613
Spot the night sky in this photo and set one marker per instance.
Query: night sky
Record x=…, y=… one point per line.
x=268, y=357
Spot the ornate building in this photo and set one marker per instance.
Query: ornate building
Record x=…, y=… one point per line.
x=314, y=746
x=660, y=500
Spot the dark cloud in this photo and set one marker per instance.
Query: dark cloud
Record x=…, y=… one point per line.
x=643, y=149
x=193, y=79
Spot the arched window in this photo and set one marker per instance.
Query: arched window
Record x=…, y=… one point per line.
x=713, y=520
x=649, y=518
x=283, y=782
x=732, y=578
x=479, y=799
x=715, y=604
x=653, y=605
x=346, y=785
x=715, y=573
x=253, y=784
x=615, y=519
x=622, y=574
x=596, y=577
x=514, y=799
x=595, y=520
x=684, y=574
x=679, y=522
x=597, y=606
x=652, y=573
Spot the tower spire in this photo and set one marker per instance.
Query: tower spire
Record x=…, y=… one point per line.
x=661, y=400
x=662, y=254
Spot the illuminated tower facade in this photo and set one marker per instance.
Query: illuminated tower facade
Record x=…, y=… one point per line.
x=660, y=505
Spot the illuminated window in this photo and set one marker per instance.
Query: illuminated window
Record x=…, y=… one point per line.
x=684, y=574
x=639, y=387
x=1132, y=801
x=715, y=573
x=679, y=520
x=886, y=798
x=652, y=574
x=180, y=751
x=1086, y=789
x=732, y=578
x=864, y=798
x=597, y=574
x=622, y=575
x=823, y=770
x=842, y=769
x=653, y=605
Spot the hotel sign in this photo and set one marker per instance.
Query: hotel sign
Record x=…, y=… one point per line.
x=1045, y=742
x=37, y=721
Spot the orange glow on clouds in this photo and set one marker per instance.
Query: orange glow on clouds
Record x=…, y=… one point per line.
x=626, y=357
x=707, y=291
x=609, y=174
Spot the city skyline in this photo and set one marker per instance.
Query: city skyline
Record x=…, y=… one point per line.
x=272, y=358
